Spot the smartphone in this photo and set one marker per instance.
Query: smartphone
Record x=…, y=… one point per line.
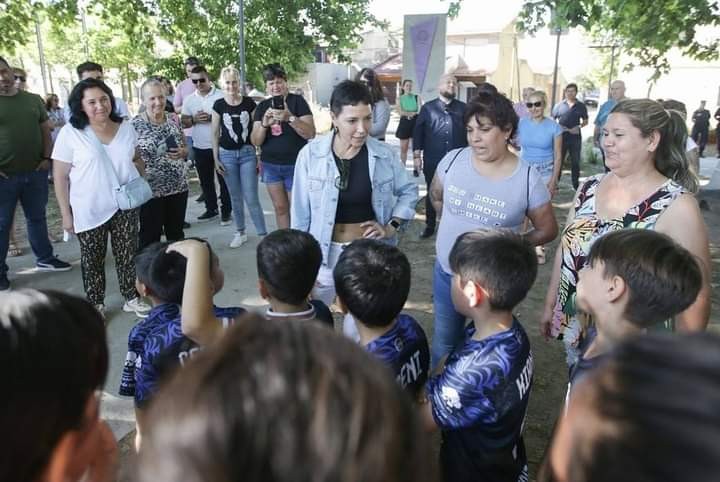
x=170, y=142
x=278, y=102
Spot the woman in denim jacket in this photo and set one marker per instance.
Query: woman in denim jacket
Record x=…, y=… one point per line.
x=349, y=186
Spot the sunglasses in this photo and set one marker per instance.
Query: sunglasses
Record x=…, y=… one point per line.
x=530, y=105
x=343, y=180
x=20, y=78
x=199, y=81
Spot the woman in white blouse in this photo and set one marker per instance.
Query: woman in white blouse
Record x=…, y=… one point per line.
x=84, y=186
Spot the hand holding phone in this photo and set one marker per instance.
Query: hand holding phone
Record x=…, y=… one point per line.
x=170, y=142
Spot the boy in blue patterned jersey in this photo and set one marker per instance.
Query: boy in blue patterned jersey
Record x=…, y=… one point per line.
x=372, y=281
x=157, y=345
x=480, y=396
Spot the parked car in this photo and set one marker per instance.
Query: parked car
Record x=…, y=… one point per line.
x=590, y=98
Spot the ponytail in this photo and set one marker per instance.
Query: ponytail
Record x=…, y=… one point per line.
x=671, y=156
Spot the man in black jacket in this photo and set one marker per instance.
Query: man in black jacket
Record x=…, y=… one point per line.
x=439, y=128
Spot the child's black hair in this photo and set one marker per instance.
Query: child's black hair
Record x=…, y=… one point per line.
x=288, y=262
x=372, y=279
x=53, y=357
x=500, y=261
x=650, y=413
x=162, y=272
x=662, y=277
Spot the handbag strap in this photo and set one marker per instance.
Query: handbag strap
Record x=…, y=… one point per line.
x=95, y=141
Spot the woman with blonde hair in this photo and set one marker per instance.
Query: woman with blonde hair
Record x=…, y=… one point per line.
x=540, y=140
x=649, y=186
x=234, y=155
x=162, y=148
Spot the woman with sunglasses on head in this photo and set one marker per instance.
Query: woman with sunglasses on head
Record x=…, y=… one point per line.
x=540, y=140
x=349, y=185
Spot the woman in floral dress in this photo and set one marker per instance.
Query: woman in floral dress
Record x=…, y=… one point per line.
x=649, y=186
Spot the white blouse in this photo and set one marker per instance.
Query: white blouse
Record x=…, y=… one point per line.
x=92, y=197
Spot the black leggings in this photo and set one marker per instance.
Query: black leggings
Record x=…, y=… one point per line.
x=163, y=213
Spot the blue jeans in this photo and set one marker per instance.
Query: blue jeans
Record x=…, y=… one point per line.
x=449, y=325
x=242, y=182
x=31, y=189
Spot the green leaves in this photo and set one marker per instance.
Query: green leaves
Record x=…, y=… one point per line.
x=124, y=33
x=645, y=29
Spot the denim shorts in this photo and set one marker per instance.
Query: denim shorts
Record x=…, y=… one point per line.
x=276, y=173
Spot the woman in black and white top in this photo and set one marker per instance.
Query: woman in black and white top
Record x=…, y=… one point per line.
x=234, y=155
x=162, y=148
x=84, y=186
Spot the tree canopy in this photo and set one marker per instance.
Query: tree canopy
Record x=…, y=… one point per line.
x=646, y=30
x=285, y=31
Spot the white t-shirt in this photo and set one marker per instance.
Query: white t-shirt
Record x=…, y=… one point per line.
x=194, y=103
x=92, y=197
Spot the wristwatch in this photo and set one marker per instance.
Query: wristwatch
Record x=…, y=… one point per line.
x=292, y=119
x=394, y=223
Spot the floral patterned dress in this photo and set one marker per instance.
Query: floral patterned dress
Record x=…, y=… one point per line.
x=577, y=239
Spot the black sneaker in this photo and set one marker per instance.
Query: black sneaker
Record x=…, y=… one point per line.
x=200, y=198
x=208, y=215
x=225, y=220
x=429, y=231
x=186, y=225
x=54, y=264
x=4, y=282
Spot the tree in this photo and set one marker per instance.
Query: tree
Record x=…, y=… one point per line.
x=275, y=31
x=16, y=22
x=285, y=31
x=646, y=30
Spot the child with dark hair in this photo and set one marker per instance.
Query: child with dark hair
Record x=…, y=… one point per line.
x=157, y=345
x=53, y=361
x=649, y=414
x=372, y=280
x=284, y=402
x=634, y=279
x=288, y=261
x=480, y=397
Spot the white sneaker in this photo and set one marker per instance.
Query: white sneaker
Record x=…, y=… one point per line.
x=137, y=306
x=238, y=240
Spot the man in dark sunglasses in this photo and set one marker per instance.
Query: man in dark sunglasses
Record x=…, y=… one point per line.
x=196, y=114
x=20, y=78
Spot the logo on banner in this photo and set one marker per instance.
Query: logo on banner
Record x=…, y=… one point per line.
x=422, y=35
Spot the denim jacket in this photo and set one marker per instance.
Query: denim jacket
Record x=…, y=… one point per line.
x=315, y=197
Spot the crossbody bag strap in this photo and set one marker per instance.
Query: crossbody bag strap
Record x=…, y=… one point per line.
x=453, y=159
x=95, y=141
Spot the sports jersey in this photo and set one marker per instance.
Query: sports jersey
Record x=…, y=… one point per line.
x=479, y=401
x=405, y=349
x=156, y=346
x=316, y=311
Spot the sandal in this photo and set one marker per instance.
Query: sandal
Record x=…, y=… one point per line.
x=13, y=250
x=540, y=252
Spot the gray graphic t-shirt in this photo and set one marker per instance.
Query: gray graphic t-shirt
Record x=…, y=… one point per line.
x=472, y=201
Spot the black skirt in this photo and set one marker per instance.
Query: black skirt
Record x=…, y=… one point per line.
x=405, y=128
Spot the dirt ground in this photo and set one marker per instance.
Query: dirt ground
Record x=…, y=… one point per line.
x=550, y=370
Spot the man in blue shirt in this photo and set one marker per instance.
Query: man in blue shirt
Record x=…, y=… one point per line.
x=572, y=115
x=617, y=93
x=439, y=129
